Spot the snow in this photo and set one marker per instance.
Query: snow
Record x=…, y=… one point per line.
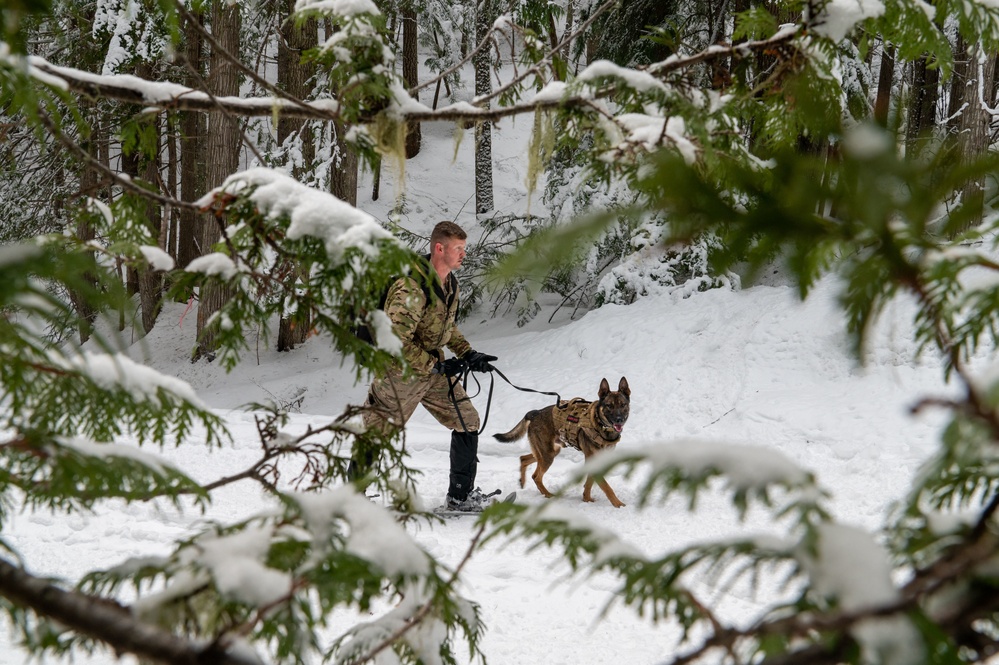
x=375, y=535
x=157, y=258
x=640, y=81
x=312, y=213
x=214, y=263
x=838, y=17
x=119, y=372
x=768, y=376
x=747, y=383
x=94, y=449
x=339, y=7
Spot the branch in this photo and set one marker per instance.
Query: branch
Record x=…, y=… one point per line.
x=122, y=181
x=109, y=622
x=422, y=613
x=166, y=95
x=174, y=96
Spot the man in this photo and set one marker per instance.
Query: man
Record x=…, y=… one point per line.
x=425, y=328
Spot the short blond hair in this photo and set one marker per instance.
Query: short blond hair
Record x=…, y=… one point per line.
x=445, y=231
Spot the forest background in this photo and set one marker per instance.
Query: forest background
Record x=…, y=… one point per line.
x=162, y=152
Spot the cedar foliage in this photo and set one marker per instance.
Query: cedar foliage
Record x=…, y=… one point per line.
x=752, y=152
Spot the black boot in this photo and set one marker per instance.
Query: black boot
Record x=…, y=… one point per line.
x=464, y=446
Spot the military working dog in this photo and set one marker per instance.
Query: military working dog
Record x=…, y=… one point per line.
x=586, y=426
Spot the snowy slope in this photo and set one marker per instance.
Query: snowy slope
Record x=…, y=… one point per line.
x=752, y=367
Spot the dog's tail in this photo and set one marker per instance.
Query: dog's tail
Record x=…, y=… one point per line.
x=518, y=431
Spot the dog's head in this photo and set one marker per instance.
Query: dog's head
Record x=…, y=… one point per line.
x=613, y=406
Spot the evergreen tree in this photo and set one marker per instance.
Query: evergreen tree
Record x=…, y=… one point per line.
x=735, y=171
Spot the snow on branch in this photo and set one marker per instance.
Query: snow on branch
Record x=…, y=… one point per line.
x=311, y=212
x=375, y=535
x=166, y=95
x=114, y=624
x=174, y=96
x=686, y=465
x=119, y=372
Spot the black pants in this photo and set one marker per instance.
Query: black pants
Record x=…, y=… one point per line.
x=464, y=446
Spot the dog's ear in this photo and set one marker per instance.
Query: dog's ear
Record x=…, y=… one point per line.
x=622, y=387
x=604, y=389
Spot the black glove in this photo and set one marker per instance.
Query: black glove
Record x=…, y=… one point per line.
x=449, y=367
x=479, y=362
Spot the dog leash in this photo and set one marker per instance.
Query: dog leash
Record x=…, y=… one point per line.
x=558, y=398
x=462, y=377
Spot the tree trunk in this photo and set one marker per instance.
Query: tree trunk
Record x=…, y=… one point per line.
x=958, y=85
x=192, y=156
x=483, y=130
x=411, y=73
x=974, y=135
x=922, y=105
x=151, y=279
x=882, y=102
x=148, y=281
x=294, y=76
x=343, y=170
x=222, y=146
x=570, y=19
x=173, y=221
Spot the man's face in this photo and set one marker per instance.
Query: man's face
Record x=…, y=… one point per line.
x=452, y=253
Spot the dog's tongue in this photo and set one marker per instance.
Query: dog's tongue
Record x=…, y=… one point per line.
x=618, y=428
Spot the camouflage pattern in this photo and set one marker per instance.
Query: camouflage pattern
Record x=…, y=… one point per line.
x=581, y=414
x=424, y=332
x=392, y=399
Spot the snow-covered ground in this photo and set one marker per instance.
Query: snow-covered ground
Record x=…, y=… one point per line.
x=752, y=367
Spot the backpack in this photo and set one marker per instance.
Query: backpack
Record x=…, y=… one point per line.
x=363, y=332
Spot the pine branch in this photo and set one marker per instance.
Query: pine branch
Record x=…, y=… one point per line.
x=110, y=623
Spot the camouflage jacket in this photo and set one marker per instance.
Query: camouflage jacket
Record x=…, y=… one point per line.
x=425, y=330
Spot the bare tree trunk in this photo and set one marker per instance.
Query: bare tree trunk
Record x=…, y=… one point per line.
x=410, y=73
x=294, y=75
x=173, y=223
x=974, y=135
x=192, y=156
x=483, y=130
x=148, y=282
x=150, y=279
x=89, y=183
x=886, y=77
x=958, y=85
x=570, y=19
x=222, y=155
x=923, y=104
x=343, y=170
x=343, y=173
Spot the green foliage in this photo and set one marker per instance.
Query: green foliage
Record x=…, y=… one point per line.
x=657, y=587
x=304, y=566
x=345, y=282
x=698, y=165
x=13, y=13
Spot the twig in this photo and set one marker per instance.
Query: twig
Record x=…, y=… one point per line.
x=424, y=609
x=125, y=183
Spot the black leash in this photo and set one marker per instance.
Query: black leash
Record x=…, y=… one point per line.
x=462, y=377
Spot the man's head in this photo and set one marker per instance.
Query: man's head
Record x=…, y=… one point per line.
x=447, y=247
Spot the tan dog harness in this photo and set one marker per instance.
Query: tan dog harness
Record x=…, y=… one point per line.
x=579, y=414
